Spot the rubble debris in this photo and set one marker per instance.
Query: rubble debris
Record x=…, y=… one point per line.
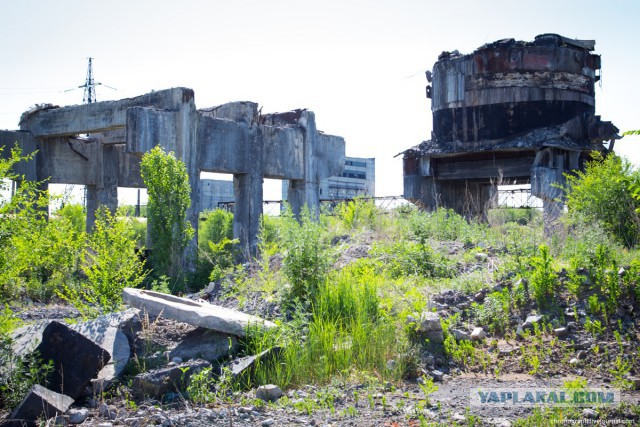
x=245, y=365
x=204, y=344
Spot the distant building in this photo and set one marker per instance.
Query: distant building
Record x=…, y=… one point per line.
x=214, y=191
x=358, y=179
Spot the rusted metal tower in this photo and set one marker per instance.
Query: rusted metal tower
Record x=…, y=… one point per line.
x=510, y=112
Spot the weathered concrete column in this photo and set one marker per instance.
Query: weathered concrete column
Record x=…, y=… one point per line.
x=307, y=190
x=248, y=193
x=105, y=192
x=552, y=211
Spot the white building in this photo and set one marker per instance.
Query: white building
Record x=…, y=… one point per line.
x=358, y=179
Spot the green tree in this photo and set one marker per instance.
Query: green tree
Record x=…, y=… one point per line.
x=167, y=184
x=603, y=193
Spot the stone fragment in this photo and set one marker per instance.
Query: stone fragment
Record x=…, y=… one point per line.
x=76, y=359
x=39, y=403
x=530, y=321
x=77, y=416
x=245, y=365
x=429, y=326
x=269, y=393
x=158, y=382
x=460, y=335
x=204, y=344
x=437, y=375
x=195, y=313
x=481, y=257
x=478, y=334
x=561, y=332
x=589, y=414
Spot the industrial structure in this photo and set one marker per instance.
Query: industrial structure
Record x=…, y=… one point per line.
x=511, y=112
x=214, y=193
x=357, y=180
x=232, y=138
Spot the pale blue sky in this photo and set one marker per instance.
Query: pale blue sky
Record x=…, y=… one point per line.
x=358, y=64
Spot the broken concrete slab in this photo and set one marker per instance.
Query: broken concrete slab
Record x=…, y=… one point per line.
x=76, y=359
x=245, y=365
x=103, y=330
x=158, y=382
x=195, y=313
x=204, y=344
x=39, y=403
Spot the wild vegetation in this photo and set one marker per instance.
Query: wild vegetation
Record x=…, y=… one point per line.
x=352, y=287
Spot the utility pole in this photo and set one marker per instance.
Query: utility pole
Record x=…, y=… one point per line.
x=89, y=89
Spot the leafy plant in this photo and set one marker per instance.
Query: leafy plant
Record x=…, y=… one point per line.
x=306, y=257
x=110, y=263
x=543, y=277
x=603, y=194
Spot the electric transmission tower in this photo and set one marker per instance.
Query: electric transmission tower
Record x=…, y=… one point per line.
x=89, y=85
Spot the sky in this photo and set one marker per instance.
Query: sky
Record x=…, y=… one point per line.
x=359, y=65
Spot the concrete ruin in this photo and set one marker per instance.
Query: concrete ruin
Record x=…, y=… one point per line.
x=233, y=138
x=511, y=112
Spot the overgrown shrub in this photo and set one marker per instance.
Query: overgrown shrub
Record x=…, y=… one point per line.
x=544, y=280
x=216, y=250
x=110, y=263
x=169, y=192
x=602, y=194
x=359, y=213
x=36, y=255
x=408, y=258
x=306, y=256
x=442, y=224
x=493, y=313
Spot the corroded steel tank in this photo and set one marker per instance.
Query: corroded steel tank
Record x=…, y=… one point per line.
x=506, y=88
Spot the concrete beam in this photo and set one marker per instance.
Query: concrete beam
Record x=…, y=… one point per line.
x=98, y=116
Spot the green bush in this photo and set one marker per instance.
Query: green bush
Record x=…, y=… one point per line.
x=216, y=249
x=603, y=194
x=169, y=192
x=408, y=258
x=306, y=256
x=494, y=311
x=110, y=262
x=544, y=280
x=442, y=224
x=359, y=213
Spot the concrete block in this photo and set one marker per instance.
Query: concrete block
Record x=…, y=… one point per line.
x=76, y=359
x=204, y=344
x=158, y=382
x=39, y=403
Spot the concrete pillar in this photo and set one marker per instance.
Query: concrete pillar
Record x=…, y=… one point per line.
x=105, y=192
x=552, y=211
x=248, y=193
x=307, y=190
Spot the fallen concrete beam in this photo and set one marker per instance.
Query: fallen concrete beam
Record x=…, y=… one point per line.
x=195, y=313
